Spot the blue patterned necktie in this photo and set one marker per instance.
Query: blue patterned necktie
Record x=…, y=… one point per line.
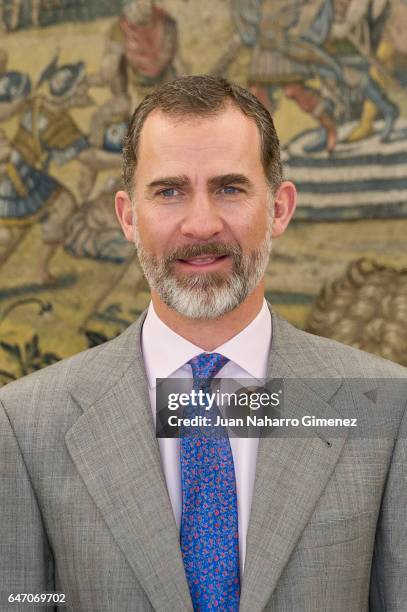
x=209, y=524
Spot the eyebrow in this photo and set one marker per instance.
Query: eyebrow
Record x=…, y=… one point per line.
x=214, y=182
x=228, y=179
x=169, y=181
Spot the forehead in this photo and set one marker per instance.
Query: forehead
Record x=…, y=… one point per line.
x=227, y=138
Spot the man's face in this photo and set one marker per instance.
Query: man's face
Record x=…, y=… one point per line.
x=203, y=211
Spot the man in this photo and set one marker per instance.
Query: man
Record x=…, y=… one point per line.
x=95, y=508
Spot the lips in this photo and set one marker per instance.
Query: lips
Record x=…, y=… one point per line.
x=201, y=260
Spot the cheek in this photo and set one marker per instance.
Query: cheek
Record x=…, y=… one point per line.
x=155, y=233
x=254, y=233
x=249, y=230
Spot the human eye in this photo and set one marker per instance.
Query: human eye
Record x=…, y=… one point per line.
x=169, y=192
x=230, y=190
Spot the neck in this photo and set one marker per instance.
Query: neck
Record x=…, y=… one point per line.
x=211, y=333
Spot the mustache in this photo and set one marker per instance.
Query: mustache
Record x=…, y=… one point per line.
x=199, y=250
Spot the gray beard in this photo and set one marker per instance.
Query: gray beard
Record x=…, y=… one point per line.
x=205, y=295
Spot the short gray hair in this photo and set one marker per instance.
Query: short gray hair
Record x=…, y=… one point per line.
x=203, y=95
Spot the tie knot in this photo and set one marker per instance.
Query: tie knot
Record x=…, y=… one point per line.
x=206, y=365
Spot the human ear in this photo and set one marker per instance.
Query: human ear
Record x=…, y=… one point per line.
x=285, y=201
x=124, y=212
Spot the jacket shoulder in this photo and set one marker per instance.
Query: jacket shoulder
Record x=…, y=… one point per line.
x=351, y=361
x=63, y=371
x=319, y=357
x=49, y=391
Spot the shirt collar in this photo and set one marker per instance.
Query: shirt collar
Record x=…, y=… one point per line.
x=250, y=348
x=164, y=351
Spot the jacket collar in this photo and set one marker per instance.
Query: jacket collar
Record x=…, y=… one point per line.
x=114, y=448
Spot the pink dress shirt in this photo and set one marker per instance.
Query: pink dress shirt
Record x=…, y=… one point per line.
x=165, y=355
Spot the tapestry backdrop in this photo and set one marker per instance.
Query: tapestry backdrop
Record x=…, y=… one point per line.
x=333, y=74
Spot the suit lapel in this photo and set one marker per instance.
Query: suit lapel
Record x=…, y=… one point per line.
x=291, y=472
x=114, y=448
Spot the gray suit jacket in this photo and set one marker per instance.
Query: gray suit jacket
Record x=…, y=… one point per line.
x=84, y=507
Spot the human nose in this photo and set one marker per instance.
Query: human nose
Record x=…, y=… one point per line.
x=202, y=220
